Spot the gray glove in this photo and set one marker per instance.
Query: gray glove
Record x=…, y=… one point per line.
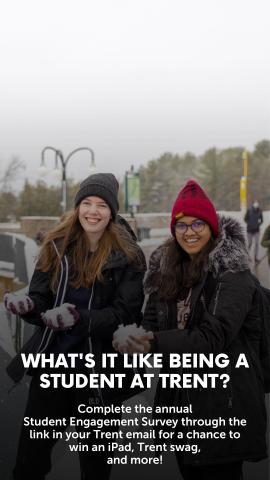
x=61, y=318
x=18, y=303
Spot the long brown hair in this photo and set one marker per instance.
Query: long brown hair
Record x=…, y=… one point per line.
x=181, y=272
x=85, y=267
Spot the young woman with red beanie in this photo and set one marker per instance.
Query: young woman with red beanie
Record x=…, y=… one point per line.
x=203, y=300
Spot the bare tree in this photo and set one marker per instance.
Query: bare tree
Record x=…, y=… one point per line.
x=11, y=173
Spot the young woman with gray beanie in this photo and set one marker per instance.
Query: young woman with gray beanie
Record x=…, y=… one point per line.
x=88, y=281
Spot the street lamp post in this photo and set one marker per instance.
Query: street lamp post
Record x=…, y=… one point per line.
x=64, y=162
x=243, y=182
x=132, y=191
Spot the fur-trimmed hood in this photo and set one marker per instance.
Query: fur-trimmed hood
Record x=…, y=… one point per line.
x=229, y=254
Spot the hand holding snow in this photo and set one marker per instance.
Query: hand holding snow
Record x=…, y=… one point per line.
x=18, y=303
x=122, y=334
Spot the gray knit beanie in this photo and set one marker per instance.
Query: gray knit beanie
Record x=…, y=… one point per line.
x=103, y=185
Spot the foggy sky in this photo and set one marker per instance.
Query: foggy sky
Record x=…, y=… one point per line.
x=131, y=79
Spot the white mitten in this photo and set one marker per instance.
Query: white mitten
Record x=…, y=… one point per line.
x=61, y=318
x=122, y=334
x=18, y=303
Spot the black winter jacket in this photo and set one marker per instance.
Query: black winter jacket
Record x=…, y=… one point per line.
x=224, y=318
x=117, y=300
x=253, y=219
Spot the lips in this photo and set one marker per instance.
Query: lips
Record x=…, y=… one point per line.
x=192, y=241
x=92, y=221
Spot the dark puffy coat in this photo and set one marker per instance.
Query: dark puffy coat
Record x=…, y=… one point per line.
x=117, y=300
x=224, y=318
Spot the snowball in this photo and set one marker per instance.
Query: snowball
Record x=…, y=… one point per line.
x=123, y=332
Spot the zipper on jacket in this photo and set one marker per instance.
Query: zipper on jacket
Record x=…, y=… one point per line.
x=89, y=307
x=167, y=315
x=90, y=341
x=230, y=399
x=228, y=370
x=216, y=298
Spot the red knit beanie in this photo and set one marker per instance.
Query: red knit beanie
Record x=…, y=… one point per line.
x=192, y=201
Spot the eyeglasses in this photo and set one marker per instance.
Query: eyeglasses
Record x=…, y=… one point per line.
x=197, y=226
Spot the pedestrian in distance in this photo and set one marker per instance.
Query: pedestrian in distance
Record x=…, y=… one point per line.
x=88, y=281
x=203, y=299
x=254, y=219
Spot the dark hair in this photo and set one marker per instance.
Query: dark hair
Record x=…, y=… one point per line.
x=182, y=272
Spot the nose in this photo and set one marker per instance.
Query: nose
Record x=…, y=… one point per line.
x=92, y=209
x=189, y=230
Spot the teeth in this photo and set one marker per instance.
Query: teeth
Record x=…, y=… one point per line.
x=192, y=240
x=93, y=222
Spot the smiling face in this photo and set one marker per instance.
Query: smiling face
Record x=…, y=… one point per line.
x=94, y=216
x=192, y=241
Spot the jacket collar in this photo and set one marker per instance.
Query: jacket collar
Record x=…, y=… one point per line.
x=115, y=260
x=229, y=254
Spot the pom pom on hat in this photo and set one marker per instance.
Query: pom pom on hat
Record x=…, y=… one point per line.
x=192, y=201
